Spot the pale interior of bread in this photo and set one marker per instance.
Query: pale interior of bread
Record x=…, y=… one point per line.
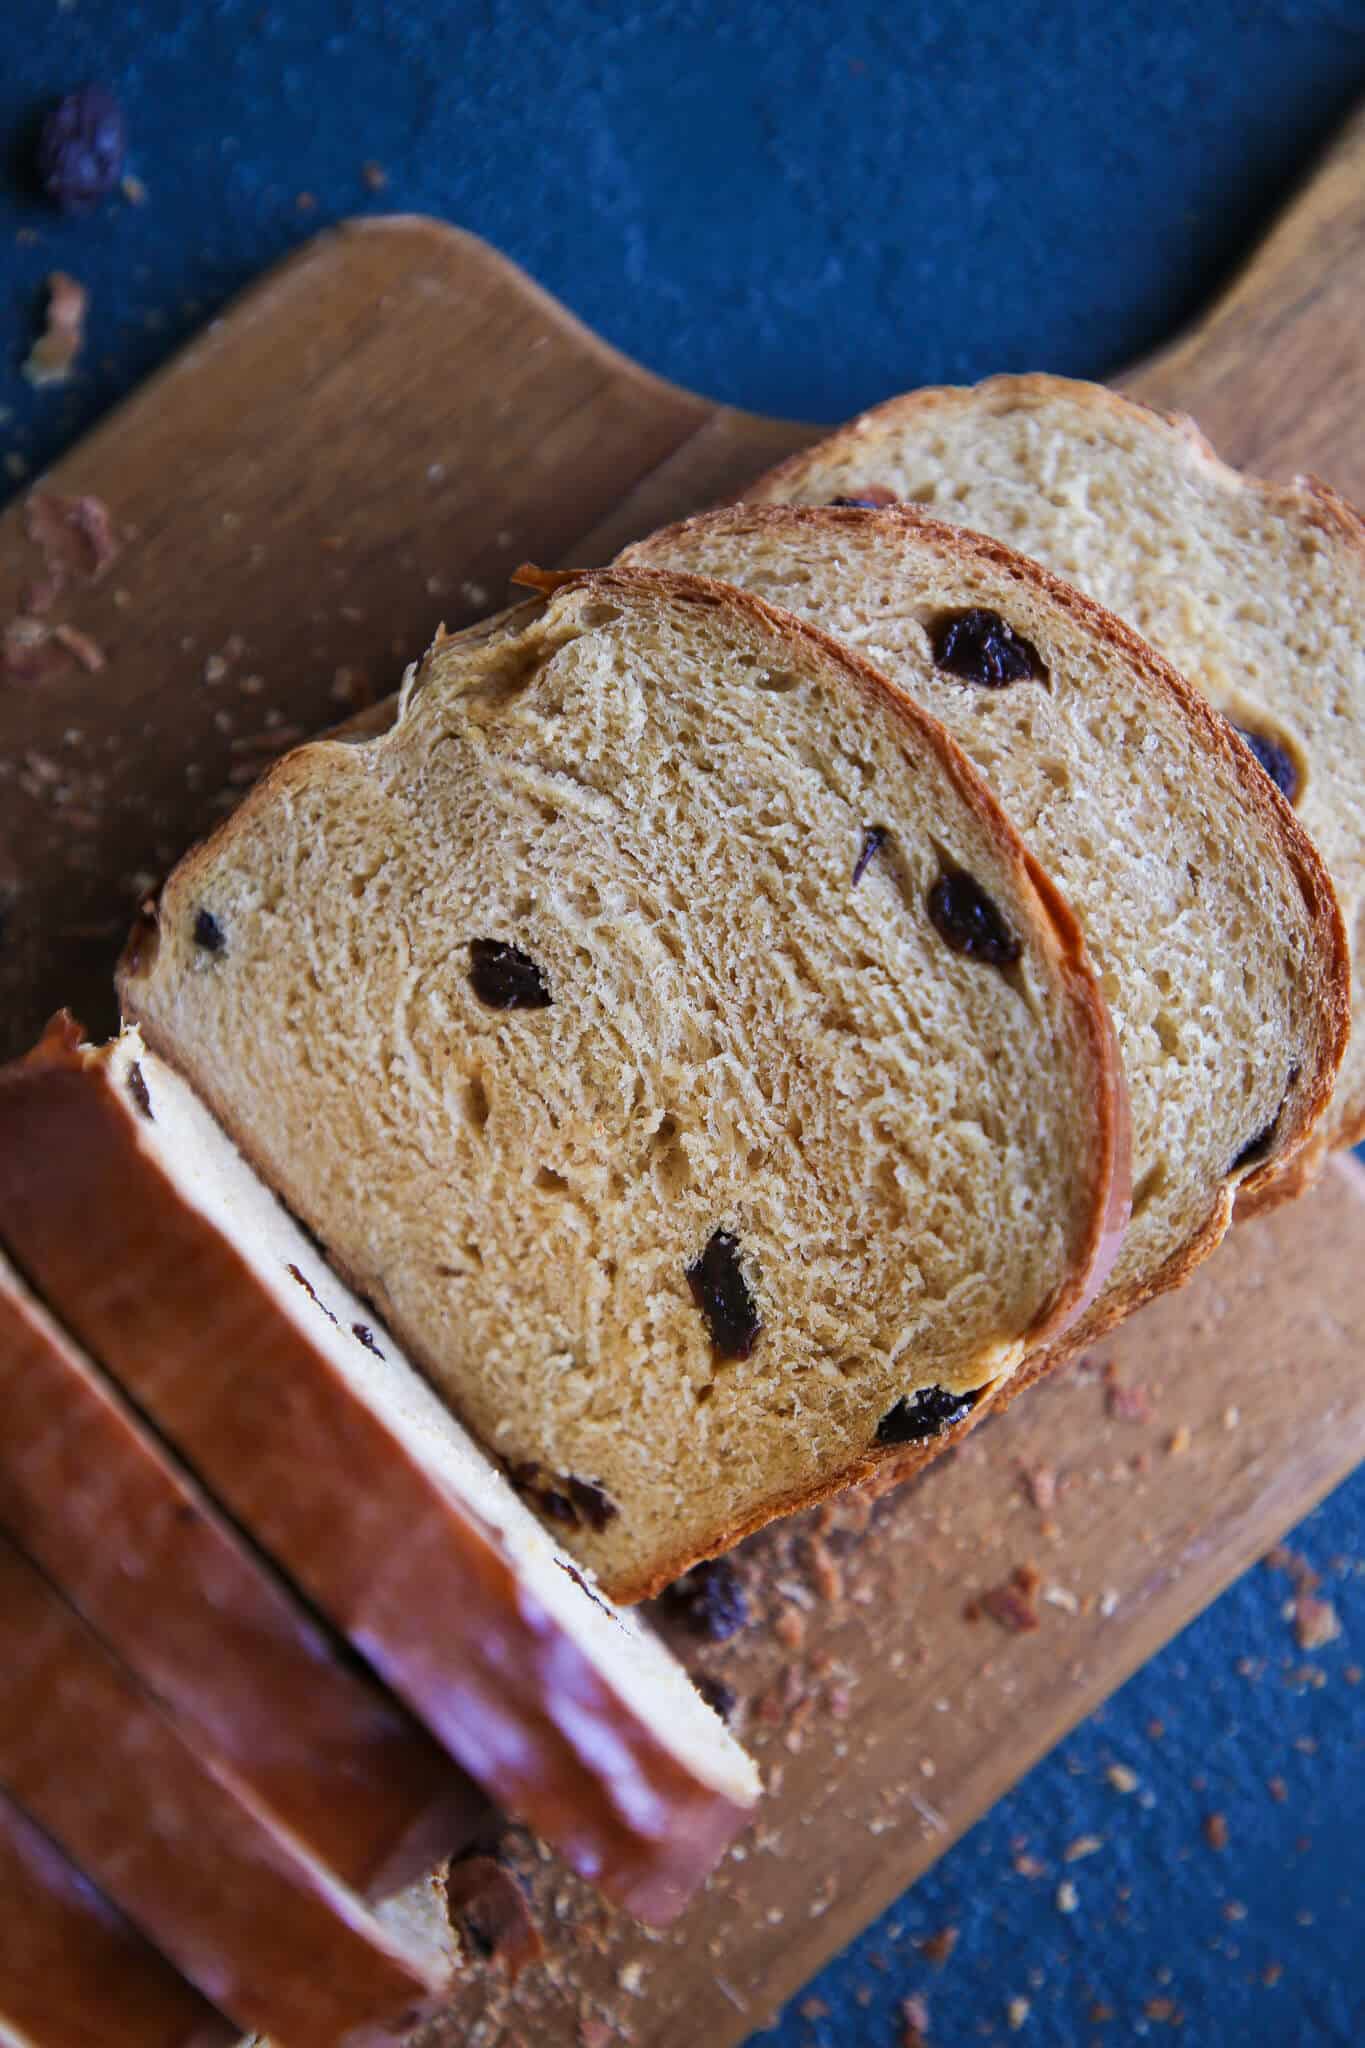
x=1198, y=929
x=210, y=1174
x=1248, y=589
x=661, y=803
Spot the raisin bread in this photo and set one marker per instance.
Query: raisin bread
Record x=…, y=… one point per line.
x=146, y=1231
x=239, y=1908
x=1204, y=904
x=74, y=1973
x=1255, y=591
x=139, y=1550
x=697, y=1178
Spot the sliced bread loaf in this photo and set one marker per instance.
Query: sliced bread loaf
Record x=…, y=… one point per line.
x=137, y=1547
x=696, y=1178
x=235, y=1904
x=1255, y=591
x=74, y=1973
x=161, y=1250
x=1204, y=904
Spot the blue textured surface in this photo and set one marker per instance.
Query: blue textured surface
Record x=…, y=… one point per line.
x=801, y=209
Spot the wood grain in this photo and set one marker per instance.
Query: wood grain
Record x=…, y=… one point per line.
x=919, y=1719
x=367, y=444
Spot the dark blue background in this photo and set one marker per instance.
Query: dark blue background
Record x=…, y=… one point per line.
x=801, y=209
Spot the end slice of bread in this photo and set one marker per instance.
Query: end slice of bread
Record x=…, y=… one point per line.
x=149, y=1234
x=74, y=1972
x=139, y=1549
x=666, y=1028
x=240, y=1909
x=1255, y=591
x=1205, y=906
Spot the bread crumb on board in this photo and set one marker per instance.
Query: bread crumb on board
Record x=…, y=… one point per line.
x=54, y=354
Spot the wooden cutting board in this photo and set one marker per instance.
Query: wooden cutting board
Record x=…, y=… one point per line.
x=366, y=444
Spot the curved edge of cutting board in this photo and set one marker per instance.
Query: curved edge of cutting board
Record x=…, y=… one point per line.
x=362, y=447
x=1274, y=370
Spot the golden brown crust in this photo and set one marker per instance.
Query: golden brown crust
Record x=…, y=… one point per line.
x=92, y=1497
x=372, y=1538
x=1307, y=497
x=226, y=1898
x=73, y=1969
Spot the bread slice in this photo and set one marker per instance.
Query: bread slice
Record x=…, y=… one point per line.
x=151, y=1564
x=1204, y=904
x=697, y=1178
x=236, y=1905
x=147, y=1232
x=74, y=1973
x=1255, y=591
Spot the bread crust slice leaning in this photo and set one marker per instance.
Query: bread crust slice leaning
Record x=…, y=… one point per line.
x=74, y=1973
x=130, y=1209
x=699, y=1159
x=1254, y=590
x=1205, y=906
x=140, y=1550
x=236, y=1905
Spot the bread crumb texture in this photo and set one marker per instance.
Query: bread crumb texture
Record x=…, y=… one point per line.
x=1152, y=821
x=1255, y=591
x=531, y=1003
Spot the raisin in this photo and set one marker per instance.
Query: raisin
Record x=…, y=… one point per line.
x=564, y=1499
x=1257, y=1147
x=137, y=1088
x=1277, y=761
x=966, y=918
x=593, y=1503
x=722, y=1294
x=720, y=1697
x=306, y=1284
x=572, y=1572
x=874, y=839
x=711, y=1600
x=980, y=647
x=80, y=149
x=365, y=1335
x=557, y=1506
x=506, y=978
x=208, y=933
x=488, y=1907
x=923, y=1415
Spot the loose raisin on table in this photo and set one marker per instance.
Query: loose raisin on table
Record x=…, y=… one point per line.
x=874, y=839
x=720, y=1697
x=980, y=647
x=80, y=149
x=505, y=978
x=921, y=1416
x=711, y=1600
x=722, y=1294
x=1278, y=763
x=965, y=917
x=208, y=933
